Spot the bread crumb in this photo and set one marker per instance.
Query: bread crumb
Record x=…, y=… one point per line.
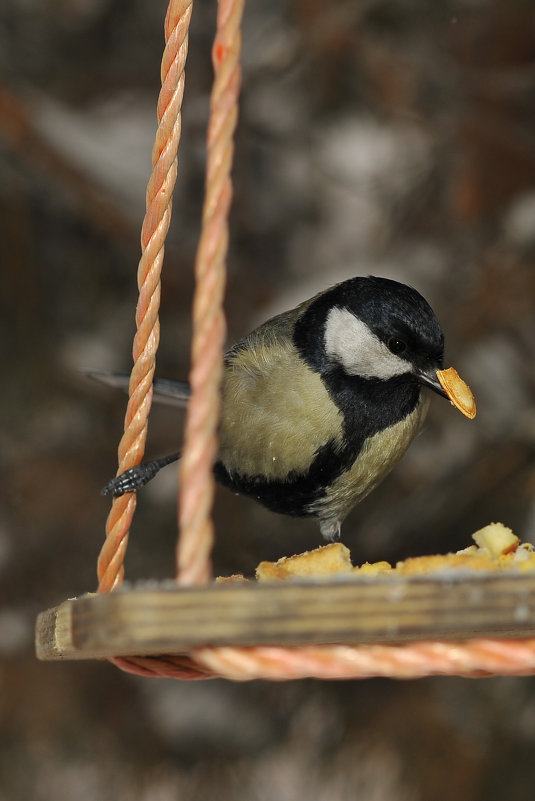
x=235, y=578
x=328, y=560
x=496, y=538
x=373, y=568
x=496, y=548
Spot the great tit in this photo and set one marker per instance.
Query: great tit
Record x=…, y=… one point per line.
x=319, y=403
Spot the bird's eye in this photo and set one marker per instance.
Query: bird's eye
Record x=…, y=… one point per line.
x=396, y=346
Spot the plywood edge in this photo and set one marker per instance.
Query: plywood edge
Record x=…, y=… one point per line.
x=167, y=618
x=53, y=632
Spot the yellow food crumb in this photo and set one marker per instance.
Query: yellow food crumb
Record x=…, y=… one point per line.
x=325, y=561
x=496, y=539
x=373, y=568
x=495, y=547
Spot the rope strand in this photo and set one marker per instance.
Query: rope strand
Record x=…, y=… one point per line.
x=200, y=436
x=110, y=569
x=471, y=658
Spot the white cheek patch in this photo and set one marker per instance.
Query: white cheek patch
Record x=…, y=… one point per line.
x=358, y=350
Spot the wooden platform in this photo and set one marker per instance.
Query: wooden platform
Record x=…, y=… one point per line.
x=164, y=618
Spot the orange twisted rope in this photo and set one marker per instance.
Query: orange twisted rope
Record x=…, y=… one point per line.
x=168, y=666
x=200, y=438
x=471, y=658
x=155, y=226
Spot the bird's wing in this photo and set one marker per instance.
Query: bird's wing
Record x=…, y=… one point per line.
x=166, y=390
x=276, y=411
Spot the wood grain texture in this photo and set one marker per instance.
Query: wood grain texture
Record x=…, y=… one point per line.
x=164, y=618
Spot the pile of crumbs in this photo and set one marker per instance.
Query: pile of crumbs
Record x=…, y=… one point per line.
x=495, y=547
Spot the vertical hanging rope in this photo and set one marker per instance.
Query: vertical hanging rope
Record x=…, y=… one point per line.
x=200, y=439
x=155, y=226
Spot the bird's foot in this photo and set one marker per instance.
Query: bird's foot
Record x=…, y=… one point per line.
x=136, y=477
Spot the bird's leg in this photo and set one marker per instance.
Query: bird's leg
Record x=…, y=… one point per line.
x=131, y=480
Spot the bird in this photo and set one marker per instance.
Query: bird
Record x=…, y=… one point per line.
x=319, y=403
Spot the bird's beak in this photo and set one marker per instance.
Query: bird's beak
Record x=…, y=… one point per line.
x=450, y=385
x=429, y=378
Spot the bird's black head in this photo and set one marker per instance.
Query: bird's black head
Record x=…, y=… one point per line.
x=374, y=328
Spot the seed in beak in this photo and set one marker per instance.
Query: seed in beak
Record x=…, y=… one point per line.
x=457, y=391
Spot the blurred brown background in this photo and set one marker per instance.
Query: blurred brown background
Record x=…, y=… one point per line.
x=388, y=137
